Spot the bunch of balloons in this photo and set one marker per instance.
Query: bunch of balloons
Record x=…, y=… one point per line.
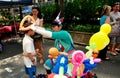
x=81, y=62
x=98, y=41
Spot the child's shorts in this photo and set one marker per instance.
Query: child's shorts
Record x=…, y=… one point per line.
x=31, y=71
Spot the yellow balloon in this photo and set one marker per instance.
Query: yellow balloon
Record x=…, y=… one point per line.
x=106, y=28
x=100, y=39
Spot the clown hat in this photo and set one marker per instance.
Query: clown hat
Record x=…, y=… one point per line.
x=58, y=21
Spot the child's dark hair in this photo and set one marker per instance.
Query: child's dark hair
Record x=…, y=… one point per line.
x=26, y=24
x=55, y=23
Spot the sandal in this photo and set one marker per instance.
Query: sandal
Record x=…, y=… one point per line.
x=113, y=53
x=116, y=52
x=107, y=58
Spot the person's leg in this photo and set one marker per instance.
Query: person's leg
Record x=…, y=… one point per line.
x=26, y=71
x=117, y=49
x=31, y=71
x=39, y=43
x=48, y=65
x=103, y=53
x=113, y=46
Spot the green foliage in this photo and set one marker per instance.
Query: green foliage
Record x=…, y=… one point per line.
x=6, y=18
x=84, y=11
x=85, y=28
x=49, y=10
x=47, y=25
x=80, y=15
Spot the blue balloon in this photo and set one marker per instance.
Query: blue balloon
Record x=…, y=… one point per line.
x=89, y=66
x=58, y=64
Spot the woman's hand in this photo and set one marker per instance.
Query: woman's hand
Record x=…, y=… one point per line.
x=112, y=23
x=118, y=19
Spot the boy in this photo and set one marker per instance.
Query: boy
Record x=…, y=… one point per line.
x=29, y=55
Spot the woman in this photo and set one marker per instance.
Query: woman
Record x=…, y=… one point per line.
x=36, y=14
x=105, y=19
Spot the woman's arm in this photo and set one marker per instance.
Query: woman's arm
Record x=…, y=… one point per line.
x=42, y=31
x=108, y=21
x=41, y=22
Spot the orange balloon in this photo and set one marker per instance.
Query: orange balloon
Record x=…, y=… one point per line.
x=51, y=75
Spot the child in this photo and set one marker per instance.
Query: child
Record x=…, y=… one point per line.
x=29, y=54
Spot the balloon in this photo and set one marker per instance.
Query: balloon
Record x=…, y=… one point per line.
x=70, y=68
x=51, y=75
x=88, y=65
x=78, y=57
x=88, y=54
x=59, y=76
x=56, y=76
x=100, y=39
x=97, y=60
x=90, y=50
x=23, y=20
x=77, y=60
x=95, y=53
x=106, y=28
x=53, y=53
x=61, y=65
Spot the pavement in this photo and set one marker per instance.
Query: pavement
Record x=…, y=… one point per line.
x=11, y=63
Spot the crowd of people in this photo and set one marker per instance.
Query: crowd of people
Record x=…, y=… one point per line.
x=63, y=40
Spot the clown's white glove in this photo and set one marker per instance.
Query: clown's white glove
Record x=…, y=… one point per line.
x=32, y=27
x=41, y=30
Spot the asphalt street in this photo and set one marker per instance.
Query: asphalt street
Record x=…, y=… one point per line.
x=11, y=62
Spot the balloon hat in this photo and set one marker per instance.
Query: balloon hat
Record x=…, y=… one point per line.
x=21, y=28
x=58, y=20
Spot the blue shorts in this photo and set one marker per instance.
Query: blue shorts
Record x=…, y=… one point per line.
x=31, y=71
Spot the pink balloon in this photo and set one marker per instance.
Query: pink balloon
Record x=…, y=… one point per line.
x=97, y=60
x=78, y=57
x=77, y=60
